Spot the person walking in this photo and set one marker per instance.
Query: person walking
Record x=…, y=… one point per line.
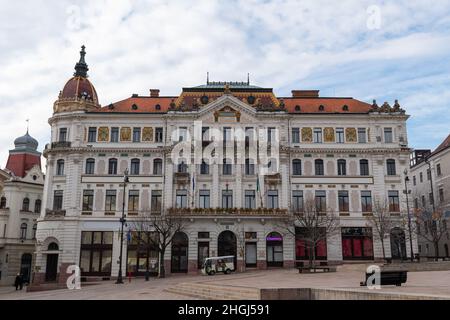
x=18, y=283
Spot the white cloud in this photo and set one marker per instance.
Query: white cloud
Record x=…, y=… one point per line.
x=135, y=45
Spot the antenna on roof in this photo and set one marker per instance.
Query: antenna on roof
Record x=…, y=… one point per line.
x=248, y=78
x=28, y=124
x=207, y=78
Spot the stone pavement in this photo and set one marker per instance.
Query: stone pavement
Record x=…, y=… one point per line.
x=347, y=277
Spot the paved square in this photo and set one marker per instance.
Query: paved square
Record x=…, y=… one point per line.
x=347, y=277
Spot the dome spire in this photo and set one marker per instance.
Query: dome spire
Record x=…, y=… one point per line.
x=81, y=68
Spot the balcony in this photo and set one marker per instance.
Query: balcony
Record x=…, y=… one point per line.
x=181, y=177
x=272, y=179
x=61, y=144
x=227, y=212
x=54, y=213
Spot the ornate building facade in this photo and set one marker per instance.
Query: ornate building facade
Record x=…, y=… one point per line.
x=341, y=152
x=22, y=184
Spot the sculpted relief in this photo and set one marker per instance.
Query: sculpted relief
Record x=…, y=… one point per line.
x=350, y=135
x=147, y=134
x=103, y=134
x=328, y=134
x=125, y=134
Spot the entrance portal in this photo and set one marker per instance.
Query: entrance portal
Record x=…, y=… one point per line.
x=179, y=262
x=227, y=245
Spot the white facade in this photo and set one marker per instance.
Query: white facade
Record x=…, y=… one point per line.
x=89, y=145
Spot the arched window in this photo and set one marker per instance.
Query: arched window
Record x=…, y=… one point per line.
x=364, y=167
x=297, y=167
x=318, y=165
x=342, y=167
x=390, y=167
x=53, y=246
x=37, y=206
x=26, y=204
x=34, y=230
x=90, y=166
x=60, y=167
x=112, y=166
x=157, y=167
x=23, y=231
x=135, y=166
x=3, y=203
x=345, y=108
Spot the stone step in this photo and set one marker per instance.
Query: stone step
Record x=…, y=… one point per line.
x=215, y=292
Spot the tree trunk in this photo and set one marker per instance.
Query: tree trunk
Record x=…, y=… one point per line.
x=162, y=269
x=436, y=250
x=382, y=246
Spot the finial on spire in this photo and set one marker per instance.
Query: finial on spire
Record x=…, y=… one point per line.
x=207, y=78
x=81, y=68
x=248, y=78
x=28, y=124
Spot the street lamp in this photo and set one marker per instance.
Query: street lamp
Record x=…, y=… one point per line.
x=122, y=222
x=409, y=215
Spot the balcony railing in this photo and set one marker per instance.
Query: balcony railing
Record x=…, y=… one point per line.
x=274, y=178
x=54, y=213
x=61, y=144
x=181, y=177
x=229, y=211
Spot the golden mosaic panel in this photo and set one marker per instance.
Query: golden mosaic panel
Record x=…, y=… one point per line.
x=350, y=135
x=147, y=134
x=103, y=134
x=125, y=134
x=328, y=134
x=306, y=134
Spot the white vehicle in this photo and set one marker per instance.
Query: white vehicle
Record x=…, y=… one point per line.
x=223, y=264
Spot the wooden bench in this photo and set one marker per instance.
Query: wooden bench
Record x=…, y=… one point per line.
x=389, y=278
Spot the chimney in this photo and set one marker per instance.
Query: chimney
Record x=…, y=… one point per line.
x=305, y=93
x=154, y=93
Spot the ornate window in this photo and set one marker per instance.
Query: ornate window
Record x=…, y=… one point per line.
x=135, y=166
x=60, y=167
x=26, y=204
x=390, y=166
x=342, y=167
x=297, y=167
x=37, y=206
x=23, y=231
x=157, y=167
x=90, y=166
x=112, y=166
x=319, y=170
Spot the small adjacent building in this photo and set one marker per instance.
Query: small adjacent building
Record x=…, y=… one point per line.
x=21, y=189
x=430, y=175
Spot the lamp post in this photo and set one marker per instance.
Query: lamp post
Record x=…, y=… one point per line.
x=409, y=215
x=122, y=222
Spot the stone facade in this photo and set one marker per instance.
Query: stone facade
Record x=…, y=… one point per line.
x=146, y=135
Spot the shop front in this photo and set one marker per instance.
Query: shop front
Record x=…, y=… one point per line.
x=142, y=255
x=357, y=243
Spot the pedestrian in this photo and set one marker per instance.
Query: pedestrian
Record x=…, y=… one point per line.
x=18, y=283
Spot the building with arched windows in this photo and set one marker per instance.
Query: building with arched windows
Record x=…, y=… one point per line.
x=21, y=189
x=231, y=159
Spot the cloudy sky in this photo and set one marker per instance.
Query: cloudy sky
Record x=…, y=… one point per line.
x=383, y=50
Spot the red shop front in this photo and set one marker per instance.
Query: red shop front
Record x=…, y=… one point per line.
x=357, y=243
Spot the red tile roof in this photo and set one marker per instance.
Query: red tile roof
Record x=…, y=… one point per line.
x=330, y=105
x=142, y=105
x=307, y=105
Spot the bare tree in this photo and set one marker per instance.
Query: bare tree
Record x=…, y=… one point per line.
x=431, y=226
x=381, y=221
x=161, y=230
x=315, y=224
